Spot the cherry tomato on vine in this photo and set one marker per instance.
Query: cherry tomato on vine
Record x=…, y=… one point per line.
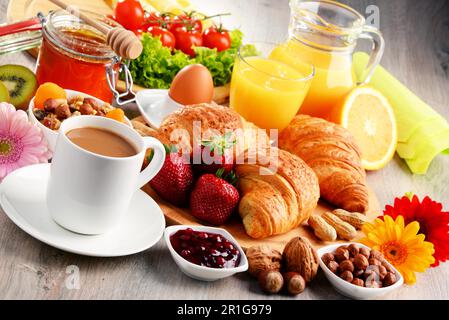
x=130, y=14
x=167, y=38
x=186, y=39
x=216, y=37
x=152, y=19
x=185, y=20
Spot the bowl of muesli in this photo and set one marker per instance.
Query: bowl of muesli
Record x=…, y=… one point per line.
x=55, y=111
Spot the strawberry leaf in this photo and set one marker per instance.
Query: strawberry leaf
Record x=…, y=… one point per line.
x=219, y=173
x=150, y=156
x=219, y=144
x=170, y=149
x=231, y=177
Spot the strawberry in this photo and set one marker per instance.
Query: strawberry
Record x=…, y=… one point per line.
x=175, y=180
x=213, y=199
x=215, y=153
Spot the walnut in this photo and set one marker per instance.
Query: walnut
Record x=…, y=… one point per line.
x=299, y=256
x=263, y=258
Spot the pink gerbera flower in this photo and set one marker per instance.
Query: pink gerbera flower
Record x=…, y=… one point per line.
x=21, y=143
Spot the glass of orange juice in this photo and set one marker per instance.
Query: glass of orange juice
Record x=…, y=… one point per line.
x=268, y=92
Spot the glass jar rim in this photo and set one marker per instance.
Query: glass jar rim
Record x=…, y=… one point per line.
x=244, y=59
x=51, y=31
x=358, y=21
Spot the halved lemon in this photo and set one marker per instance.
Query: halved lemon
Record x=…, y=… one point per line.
x=368, y=115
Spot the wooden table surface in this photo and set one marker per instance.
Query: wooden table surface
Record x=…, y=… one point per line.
x=417, y=52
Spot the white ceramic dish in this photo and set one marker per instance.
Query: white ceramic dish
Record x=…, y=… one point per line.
x=155, y=105
x=352, y=291
x=52, y=135
x=199, y=272
x=23, y=199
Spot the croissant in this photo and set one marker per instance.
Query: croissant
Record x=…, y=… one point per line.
x=182, y=127
x=331, y=151
x=278, y=192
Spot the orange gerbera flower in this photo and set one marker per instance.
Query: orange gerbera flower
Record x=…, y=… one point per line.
x=401, y=245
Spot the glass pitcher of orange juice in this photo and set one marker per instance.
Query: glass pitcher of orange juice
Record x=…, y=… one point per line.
x=325, y=34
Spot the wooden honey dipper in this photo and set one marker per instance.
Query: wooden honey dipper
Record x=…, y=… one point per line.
x=124, y=42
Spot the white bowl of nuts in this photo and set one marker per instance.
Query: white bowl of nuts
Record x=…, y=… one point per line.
x=357, y=271
x=57, y=110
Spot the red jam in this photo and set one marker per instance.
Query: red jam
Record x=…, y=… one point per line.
x=72, y=71
x=205, y=249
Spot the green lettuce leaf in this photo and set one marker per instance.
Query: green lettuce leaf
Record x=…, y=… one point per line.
x=157, y=65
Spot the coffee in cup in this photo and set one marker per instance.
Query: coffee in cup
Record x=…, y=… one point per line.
x=95, y=171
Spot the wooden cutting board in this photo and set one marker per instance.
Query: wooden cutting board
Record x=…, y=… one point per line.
x=175, y=216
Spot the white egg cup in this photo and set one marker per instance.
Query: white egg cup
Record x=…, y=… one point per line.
x=155, y=105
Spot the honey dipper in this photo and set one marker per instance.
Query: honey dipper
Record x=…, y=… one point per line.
x=124, y=42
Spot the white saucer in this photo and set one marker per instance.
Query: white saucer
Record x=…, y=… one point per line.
x=22, y=197
x=155, y=105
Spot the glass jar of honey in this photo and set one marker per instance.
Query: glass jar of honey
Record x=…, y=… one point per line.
x=75, y=56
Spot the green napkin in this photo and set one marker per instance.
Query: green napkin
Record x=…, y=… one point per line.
x=422, y=132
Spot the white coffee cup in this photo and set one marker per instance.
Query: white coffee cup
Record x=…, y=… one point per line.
x=89, y=193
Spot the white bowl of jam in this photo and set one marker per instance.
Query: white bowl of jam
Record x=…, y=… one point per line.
x=205, y=253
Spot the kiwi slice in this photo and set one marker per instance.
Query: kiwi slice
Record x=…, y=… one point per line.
x=20, y=82
x=4, y=93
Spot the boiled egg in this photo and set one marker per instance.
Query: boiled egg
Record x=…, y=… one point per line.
x=192, y=85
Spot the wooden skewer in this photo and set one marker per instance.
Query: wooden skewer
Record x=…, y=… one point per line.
x=124, y=42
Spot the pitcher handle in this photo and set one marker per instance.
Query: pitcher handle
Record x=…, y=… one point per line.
x=377, y=51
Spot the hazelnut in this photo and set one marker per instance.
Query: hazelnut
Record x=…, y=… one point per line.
x=271, y=281
x=262, y=258
x=341, y=254
x=327, y=257
x=371, y=274
x=389, y=279
x=372, y=283
x=333, y=266
x=359, y=273
x=86, y=109
x=387, y=266
x=294, y=283
x=358, y=282
x=360, y=262
x=376, y=255
x=63, y=111
x=374, y=262
x=51, y=104
x=353, y=249
x=382, y=272
x=347, y=276
x=346, y=266
x=364, y=251
x=92, y=103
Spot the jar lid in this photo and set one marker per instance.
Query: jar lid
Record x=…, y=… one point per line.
x=72, y=35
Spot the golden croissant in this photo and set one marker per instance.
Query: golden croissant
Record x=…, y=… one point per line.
x=331, y=151
x=278, y=192
x=180, y=127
